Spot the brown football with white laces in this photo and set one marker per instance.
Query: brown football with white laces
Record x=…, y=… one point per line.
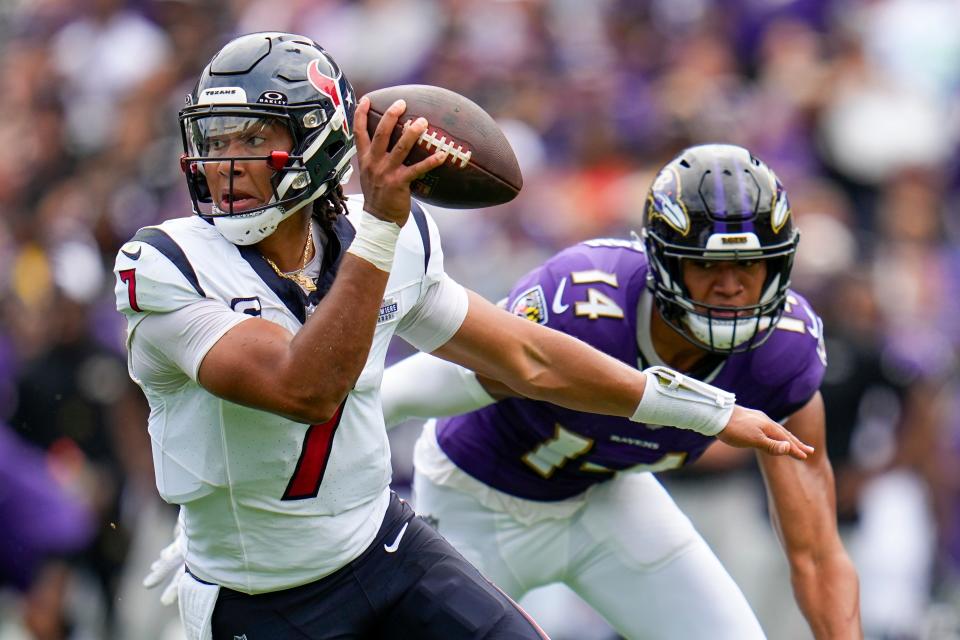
x=481, y=169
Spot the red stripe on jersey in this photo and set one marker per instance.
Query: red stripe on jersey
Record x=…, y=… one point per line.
x=317, y=443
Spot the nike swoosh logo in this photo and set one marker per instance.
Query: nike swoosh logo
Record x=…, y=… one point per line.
x=391, y=548
x=133, y=255
x=558, y=306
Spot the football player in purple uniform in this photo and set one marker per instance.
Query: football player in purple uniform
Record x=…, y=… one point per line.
x=257, y=329
x=534, y=493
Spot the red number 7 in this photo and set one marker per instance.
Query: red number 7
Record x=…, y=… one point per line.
x=306, y=479
x=129, y=277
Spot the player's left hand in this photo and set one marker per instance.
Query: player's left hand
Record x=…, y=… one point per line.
x=170, y=566
x=750, y=428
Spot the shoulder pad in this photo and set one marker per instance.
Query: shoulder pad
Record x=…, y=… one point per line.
x=588, y=292
x=153, y=274
x=789, y=367
x=421, y=238
x=800, y=318
x=633, y=244
x=624, y=261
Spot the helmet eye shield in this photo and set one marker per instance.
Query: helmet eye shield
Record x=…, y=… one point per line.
x=224, y=136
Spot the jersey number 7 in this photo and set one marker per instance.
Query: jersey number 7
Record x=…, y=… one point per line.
x=129, y=277
x=317, y=443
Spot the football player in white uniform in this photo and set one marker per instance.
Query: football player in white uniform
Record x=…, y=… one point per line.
x=257, y=329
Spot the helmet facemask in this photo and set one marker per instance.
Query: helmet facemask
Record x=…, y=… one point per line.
x=721, y=329
x=298, y=179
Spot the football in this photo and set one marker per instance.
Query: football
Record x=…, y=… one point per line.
x=481, y=169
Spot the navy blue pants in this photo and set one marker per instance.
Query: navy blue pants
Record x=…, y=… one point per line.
x=421, y=588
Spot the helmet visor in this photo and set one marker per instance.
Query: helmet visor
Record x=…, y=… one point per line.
x=236, y=136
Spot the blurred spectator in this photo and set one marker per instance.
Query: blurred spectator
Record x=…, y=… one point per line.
x=44, y=525
x=881, y=416
x=67, y=392
x=93, y=56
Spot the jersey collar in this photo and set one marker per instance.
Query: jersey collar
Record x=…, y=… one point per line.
x=333, y=245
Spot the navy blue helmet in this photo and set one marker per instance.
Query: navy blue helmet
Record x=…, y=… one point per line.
x=273, y=78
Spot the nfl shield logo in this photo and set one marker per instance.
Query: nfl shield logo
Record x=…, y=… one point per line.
x=531, y=304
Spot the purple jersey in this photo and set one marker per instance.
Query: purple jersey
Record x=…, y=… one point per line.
x=591, y=291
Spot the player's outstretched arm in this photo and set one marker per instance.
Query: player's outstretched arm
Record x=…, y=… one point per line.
x=544, y=364
x=306, y=376
x=803, y=511
x=422, y=386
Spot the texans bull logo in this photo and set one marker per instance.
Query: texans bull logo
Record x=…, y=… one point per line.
x=336, y=89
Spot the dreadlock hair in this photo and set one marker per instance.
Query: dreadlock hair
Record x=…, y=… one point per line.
x=326, y=209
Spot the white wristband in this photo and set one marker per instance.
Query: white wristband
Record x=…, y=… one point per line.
x=376, y=241
x=675, y=400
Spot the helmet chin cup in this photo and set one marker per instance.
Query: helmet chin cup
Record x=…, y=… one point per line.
x=721, y=334
x=246, y=230
x=250, y=229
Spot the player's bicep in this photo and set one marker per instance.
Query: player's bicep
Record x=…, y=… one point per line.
x=495, y=389
x=243, y=365
x=167, y=347
x=233, y=355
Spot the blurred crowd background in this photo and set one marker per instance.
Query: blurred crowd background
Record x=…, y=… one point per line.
x=853, y=102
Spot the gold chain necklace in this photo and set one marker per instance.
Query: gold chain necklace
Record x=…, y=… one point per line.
x=298, y=276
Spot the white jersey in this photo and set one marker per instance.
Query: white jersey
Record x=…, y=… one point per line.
x=268, y=503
